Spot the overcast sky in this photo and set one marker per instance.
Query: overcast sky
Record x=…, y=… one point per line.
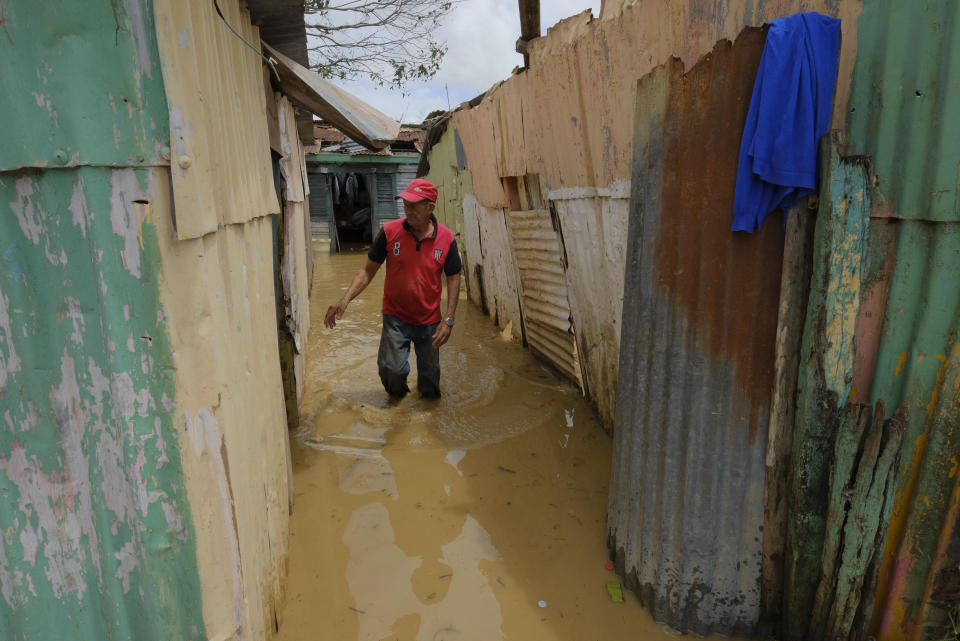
x=481, y=36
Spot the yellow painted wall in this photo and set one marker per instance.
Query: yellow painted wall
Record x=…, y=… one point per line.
x=218, y=289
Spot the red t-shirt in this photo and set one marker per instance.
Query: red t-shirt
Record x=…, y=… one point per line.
x=414, y=283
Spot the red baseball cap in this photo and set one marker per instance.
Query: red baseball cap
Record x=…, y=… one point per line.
x=419, y=189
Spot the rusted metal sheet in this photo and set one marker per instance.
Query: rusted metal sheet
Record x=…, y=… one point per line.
x=686, y=503
x=477, y=135
x=219, y=178
x=543, y=286
x=350, y=115
x=61, y=122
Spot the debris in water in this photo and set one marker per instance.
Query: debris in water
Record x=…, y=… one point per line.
x=505, y=469
x=569, y=414
x=609, y=566
x=542, y=604
x=454, y=457
x=501, y=583
x=615, y=590
x=357, y=611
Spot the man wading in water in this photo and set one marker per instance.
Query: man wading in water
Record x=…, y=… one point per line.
x=417, y=248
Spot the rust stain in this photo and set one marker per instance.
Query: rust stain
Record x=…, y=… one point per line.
x=727, y=284
x=900, y=362
x=936, y=386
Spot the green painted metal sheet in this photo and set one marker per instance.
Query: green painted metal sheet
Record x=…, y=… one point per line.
x=446, y=164
x=917, y=357
x=826, y=357
x=81, y=85
x=902, y=350
x=904, y=102
x=360, y=159
x=96, y=535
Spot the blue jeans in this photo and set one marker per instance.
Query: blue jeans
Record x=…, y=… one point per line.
x=393, y=358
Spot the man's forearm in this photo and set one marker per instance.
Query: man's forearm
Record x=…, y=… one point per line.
x=360, y=282
x=453, y=294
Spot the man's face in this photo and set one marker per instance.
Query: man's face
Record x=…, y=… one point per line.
x=418, y=213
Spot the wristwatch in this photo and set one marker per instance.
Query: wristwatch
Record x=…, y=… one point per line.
x=449, y=321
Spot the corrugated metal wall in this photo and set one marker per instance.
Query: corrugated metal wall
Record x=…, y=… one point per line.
x=219, y=295
x=97, y=538
x=899, y=334
x=543, y=286
x=225, y=195
x=569, y=119
x=95, y=518
x=686, y=498
x=497, y=281
x=49, y=105
x=143, y=457
x=219, y=177
x=595, y=238
x=890, y=302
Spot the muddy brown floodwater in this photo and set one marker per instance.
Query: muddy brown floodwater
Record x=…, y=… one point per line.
x=477, y=517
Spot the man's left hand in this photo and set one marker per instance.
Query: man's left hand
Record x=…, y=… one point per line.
x=442, y=335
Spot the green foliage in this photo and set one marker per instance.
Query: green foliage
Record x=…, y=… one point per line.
x=391, y=42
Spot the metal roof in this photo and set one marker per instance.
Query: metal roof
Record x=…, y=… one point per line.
x=357, y=119
x=282, y=26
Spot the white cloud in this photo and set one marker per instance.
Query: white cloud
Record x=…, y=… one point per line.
x=480, y=36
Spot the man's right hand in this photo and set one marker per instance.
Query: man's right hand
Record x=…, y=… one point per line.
x=335, y=313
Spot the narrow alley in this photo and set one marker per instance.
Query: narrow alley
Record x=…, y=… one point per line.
x=703, y=377
x=480, y=516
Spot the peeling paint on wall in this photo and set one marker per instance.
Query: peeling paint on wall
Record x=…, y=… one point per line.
x=96, y=519
x=60, y=121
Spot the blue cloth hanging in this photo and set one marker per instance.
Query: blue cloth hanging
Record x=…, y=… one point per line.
x=789, y=114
